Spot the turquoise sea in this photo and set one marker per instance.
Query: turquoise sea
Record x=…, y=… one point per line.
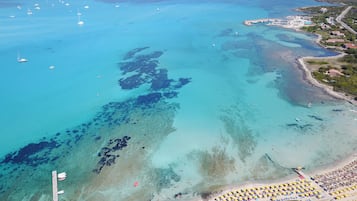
x=148, y=100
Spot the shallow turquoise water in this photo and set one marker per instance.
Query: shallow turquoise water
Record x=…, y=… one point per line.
x=244, y=104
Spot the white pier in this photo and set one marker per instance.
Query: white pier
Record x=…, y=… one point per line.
x=55, y=178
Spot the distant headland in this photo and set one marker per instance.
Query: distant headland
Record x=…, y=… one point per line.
x=335, y=27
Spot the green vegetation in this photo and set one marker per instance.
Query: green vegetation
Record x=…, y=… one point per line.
x=324, y=20
x=351, y=57
x=316, y=62
x=347, y=84
x=348, y=2
x=319, y=16
x=324, y=24
x=351, y=19
x=348, y=66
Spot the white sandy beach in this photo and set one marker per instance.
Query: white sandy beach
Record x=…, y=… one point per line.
x=291, y=178
x=326, y=88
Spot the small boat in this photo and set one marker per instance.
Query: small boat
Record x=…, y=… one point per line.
x=80, y=22
x=78, y=13
x=21, y=60
x=51, y=67
x=29, y=12
x=62, y=176
x=60, y=192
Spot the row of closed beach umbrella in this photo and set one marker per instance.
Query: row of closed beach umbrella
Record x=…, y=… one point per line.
x=343, y=192
x=299, y=188
x=345, y=177
x=339, y=184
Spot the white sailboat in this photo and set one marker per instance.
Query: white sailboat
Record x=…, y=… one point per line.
x=21, y=59
x=29, y=12
x=78, y=13
x=80, y=22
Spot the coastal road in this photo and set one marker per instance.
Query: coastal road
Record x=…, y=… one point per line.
x=341, y=16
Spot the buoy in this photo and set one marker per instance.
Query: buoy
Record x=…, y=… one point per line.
x=136, y=183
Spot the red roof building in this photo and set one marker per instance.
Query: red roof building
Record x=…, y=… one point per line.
x=350, y=46
x=335, y=40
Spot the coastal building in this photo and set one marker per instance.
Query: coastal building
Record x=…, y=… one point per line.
x=334, y=73
x=350, y=46
x=324, y=26
x=337, y=33
x=330, y=20
x=335, y=40
x=323, y=10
